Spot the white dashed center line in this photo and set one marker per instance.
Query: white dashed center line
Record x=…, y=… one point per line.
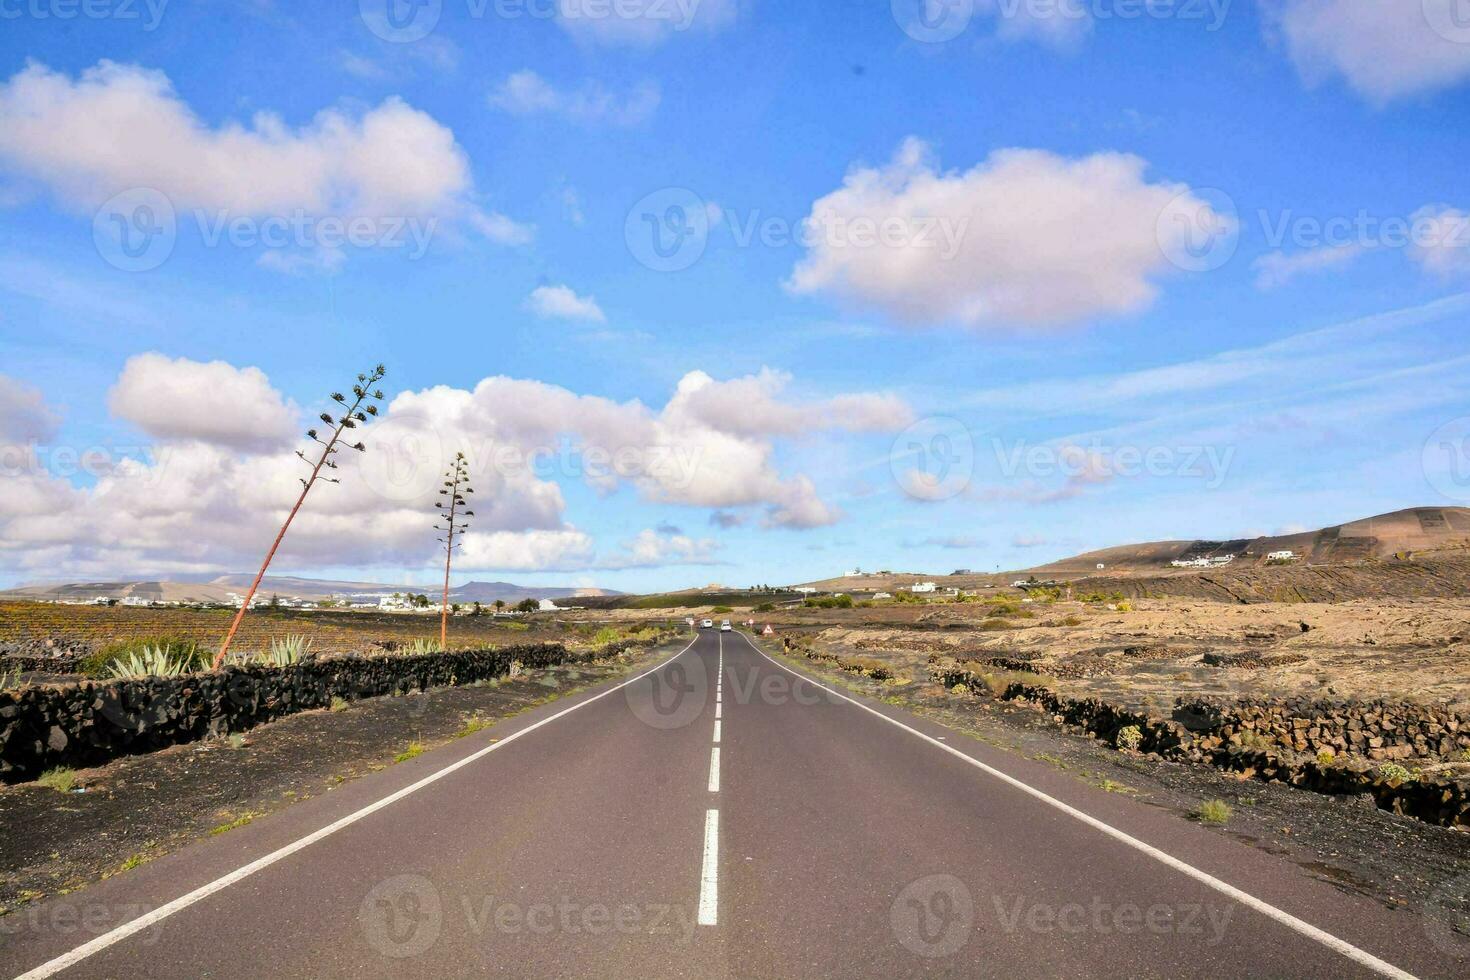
x=709, y=885
x=714, y=769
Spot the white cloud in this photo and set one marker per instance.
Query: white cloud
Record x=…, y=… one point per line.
x=1027, y=237
x=643, y=23
x=1384, y=49
x=1445, y=247
x=526, y=551
x=562, y=303
x=1279, y=268
x=24, y=415
x=118, y=127
x=654, y=549
x=526, y=93
x=752, y=405
x=215, y=403
x=208, y=497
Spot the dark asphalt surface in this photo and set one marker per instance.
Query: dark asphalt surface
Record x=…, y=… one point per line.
x=847, y=846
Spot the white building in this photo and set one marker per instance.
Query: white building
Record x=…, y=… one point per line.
x=547, y=605
x=1281, y=556
x=920, y=588
x=394, y=603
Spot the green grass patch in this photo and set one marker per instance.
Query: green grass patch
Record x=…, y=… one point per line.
x=1216, y=812
x=61, y=779
x=235, y=824
x=414, y=750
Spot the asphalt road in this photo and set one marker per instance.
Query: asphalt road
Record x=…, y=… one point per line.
x=720, y=816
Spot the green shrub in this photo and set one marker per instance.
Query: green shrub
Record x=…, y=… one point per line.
x=1072, y=621
x=830, y=602
x=1213, y=812
x=1392, y=772
x=151, y=662
x=421, y=646
x=719, y=610
x=605, y=636
x=1129, y=738
x=414, y=750
x=765, y=607
x=61, y=779
x=287, y=651
x=179, y=650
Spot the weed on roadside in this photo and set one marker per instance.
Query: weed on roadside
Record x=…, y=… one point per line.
x=61, y=779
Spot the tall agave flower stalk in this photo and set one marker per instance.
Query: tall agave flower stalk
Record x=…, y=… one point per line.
x=456, y=486
x=364, y=395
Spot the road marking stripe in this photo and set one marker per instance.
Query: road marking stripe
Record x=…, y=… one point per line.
x=714, y=769
x=709, y=880
x=1361, y=957
x=62, y=962
x=718, y=710
x=717, y=731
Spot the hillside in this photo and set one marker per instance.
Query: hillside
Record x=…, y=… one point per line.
x=1416, y=530
x=1436, y=538
x=219, y=589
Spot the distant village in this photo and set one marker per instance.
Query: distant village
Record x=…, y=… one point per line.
x=398, y=602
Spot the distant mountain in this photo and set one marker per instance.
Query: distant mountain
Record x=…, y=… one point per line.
x=218, y=589
x=1417, y=529
x=1420, y=530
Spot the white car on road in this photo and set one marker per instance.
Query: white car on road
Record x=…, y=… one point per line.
x=725, y=626
x=707, y=624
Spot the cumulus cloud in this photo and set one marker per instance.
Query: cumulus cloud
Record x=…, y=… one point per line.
x=1279, y=268
x=643, y=23
x=526, y=93
x=527, y=551
x=653, y=549
x=1385, y=49
x=209, y=497
x=1026, y=237
x=753, y=405
x=562, y=303
x=215, y=403
x=1444, y=248
x=24, y=415
x=117, y=127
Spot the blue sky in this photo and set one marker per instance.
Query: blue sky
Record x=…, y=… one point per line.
x=1156, y=272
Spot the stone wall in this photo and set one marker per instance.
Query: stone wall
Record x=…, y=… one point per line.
x=1283, y=741
x=1377, y=730
x=53, y=654
x=88, y=723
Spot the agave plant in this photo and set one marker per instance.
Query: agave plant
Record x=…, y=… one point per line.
x=287, y=651
x=151, y=661
x=421, y=646
x=9, y=679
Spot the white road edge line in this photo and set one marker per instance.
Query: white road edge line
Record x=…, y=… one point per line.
x=709, y=881
x=1361, y=957
x=66, y=960
x=714, y=769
